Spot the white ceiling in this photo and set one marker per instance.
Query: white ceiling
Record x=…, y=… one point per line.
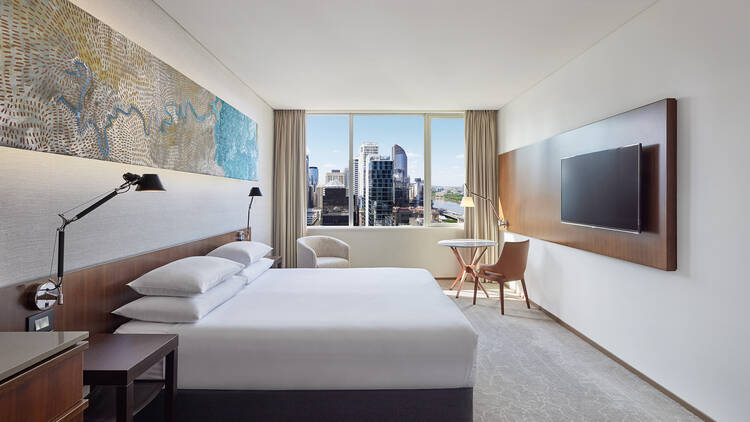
x=397, y=54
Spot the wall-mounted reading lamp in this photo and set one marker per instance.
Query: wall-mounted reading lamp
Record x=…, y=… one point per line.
x=254, y=191
x=46, y=294
x=468, y=202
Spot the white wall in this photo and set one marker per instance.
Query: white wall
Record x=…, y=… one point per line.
x=36, y=186
x=688, y=330
x=414, y=247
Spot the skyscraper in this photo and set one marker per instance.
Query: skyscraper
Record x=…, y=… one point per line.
x=310, y=187
x=418, y=190
x=355, y=171
x=312, y=176
x=337, y=176
x=365, y=150
x=334, y=204
x=379, y=192
x=400, y=176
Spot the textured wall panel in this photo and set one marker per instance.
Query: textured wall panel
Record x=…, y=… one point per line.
x=70, y=84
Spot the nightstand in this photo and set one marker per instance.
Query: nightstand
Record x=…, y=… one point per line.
x=114, y=361
x=276, y=261
x=40, y=376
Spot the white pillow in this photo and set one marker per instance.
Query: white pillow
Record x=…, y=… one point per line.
x=181, y=309
x=244, y=252
x=253, y=271
x=185, y=277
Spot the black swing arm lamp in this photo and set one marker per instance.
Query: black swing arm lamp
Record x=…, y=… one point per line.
x=254, y=191
x=50, y=292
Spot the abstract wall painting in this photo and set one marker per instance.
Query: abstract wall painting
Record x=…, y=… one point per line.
x=70, y=84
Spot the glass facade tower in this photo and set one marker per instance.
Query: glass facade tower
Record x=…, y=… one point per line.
x=379, y=195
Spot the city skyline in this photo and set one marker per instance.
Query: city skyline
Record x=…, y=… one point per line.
x=328, y=143
x=387, y=195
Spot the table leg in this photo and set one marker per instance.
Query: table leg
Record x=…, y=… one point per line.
x=476, y=258
x=483, y=289
x=458, y=256
x=463, y=267
x=474, y=263
x=462, y=274
x=457, y=278
x=468, y=269
x=461, y=284
x=124, y=403
x=170, y=386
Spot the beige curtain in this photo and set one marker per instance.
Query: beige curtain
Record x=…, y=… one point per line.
x=481, y=176
x=289, y=215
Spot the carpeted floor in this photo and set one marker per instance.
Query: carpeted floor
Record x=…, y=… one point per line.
x=529, y=368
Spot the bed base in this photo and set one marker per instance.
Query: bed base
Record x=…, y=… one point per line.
x=438, y=405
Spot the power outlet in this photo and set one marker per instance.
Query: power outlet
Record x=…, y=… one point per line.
x=43, y=321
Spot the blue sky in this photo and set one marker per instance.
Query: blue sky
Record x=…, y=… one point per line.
x=328, y=143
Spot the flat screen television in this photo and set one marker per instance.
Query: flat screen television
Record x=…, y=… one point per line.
x=603, y=189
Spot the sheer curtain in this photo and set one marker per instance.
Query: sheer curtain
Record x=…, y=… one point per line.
x=481, y=177
x=289, y=215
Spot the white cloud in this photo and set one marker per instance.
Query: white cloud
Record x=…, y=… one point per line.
x=460, y=156
x=412, y=154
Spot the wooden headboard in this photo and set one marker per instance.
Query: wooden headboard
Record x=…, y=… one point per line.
x=92, y=293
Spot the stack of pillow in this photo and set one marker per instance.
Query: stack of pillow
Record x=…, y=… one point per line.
x=188, y=289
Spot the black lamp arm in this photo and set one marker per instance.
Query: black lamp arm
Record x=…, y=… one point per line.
x=130, y=179
x=48, y=292
x=249, y=207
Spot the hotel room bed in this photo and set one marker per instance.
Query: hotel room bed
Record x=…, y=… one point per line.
x=331, y=335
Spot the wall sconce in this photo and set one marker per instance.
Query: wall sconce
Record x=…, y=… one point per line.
x=468, y=202
x=254, y=191
x=49, y=292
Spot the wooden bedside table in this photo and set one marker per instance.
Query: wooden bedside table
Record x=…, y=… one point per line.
x=114, y=361
x=41, y=378
x=276, y=261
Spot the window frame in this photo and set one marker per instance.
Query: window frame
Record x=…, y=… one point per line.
x=427, y=178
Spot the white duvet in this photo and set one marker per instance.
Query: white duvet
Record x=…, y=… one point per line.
x=359, y=328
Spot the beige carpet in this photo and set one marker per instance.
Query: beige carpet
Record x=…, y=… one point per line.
x=529, y=368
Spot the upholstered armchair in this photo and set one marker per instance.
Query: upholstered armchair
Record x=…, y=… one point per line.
x=322, y=252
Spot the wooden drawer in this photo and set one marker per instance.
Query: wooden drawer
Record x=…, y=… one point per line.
x=52, y=390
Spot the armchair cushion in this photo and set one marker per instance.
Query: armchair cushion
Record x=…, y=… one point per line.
x=332, y=262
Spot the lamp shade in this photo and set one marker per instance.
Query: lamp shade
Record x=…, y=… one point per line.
x=255, y=192
x=467, y=202
x=149, y=182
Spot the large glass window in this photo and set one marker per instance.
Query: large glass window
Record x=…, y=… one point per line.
x=327, y=164
x=370, y=169
x=389, y=158
x=448, y=169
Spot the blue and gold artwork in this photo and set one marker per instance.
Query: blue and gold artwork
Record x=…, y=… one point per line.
x=69, y=84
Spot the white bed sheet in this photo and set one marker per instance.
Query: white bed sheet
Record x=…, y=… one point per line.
x=354, y=328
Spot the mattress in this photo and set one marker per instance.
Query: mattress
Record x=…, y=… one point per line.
x=309, y=329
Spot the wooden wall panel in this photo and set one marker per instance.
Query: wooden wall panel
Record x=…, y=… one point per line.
x=529, y=186
x=92, y=293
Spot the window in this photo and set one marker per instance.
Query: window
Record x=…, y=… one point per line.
x=327, y=163
x=372, y=169
x=448, y=169
x=389, y=158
